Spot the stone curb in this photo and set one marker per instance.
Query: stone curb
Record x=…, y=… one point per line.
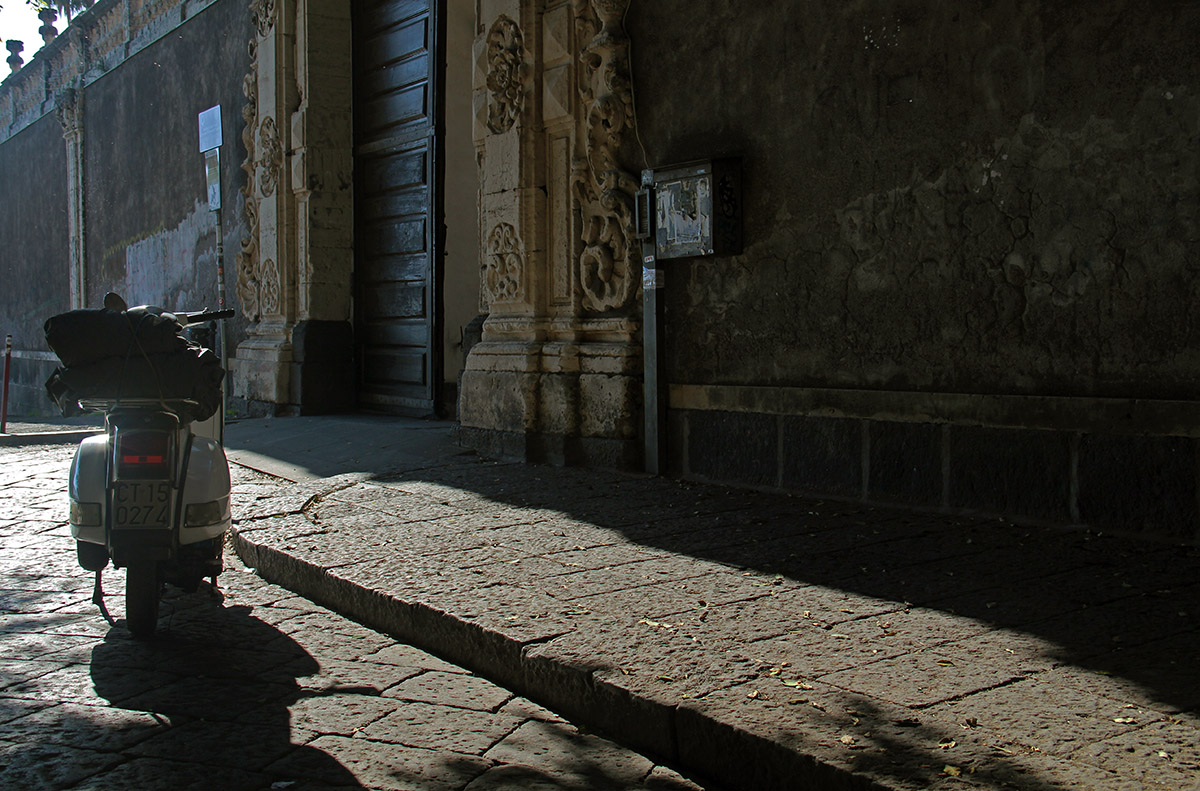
x=47, y=437
x=682, y=736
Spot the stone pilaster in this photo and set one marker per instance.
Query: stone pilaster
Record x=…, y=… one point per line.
x=556, y=375
x=295, y=267
x=266, y=281
x=322, y=376
x=70, y=115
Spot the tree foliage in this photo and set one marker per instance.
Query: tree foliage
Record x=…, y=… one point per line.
x=61, y=6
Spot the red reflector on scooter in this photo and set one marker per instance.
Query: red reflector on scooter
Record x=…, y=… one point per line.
x=143, y=454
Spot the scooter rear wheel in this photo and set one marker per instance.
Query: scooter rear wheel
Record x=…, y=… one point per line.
x=142, y=589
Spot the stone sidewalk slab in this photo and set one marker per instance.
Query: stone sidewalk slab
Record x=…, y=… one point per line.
x=762, y=640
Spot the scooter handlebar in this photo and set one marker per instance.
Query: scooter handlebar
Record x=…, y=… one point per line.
x=186, y=319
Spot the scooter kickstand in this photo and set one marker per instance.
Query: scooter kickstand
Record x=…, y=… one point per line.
x=98, y=600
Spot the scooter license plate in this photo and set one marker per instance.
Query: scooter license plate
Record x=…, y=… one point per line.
x=141, y=504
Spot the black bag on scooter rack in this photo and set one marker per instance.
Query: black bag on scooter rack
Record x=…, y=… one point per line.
x=110, y=354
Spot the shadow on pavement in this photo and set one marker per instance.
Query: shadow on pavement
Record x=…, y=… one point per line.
x=223, y=681
x=1117, y=605
x=1121, y=609
x=1107, y=615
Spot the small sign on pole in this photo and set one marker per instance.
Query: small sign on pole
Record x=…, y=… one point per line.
x=210, y=129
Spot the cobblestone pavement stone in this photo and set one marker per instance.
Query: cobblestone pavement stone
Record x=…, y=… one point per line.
x=254, y=688
x=767, y=641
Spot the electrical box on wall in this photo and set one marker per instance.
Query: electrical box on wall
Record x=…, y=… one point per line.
x=693, y=209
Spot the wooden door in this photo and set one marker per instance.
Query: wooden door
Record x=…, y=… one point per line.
x=398, y=78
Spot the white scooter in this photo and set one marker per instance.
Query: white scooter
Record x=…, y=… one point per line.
x=152, y=493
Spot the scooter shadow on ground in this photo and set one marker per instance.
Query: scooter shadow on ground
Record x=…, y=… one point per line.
x=222, y=681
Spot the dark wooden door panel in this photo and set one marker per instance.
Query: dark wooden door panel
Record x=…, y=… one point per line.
x=397, y=203
x=389, y=113
x=393, y=236
x=385, y=269
x=394, y=171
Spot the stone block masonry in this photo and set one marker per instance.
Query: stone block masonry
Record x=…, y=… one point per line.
x=1128, y=467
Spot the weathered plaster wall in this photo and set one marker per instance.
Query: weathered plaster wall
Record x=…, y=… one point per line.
x=150, y=233
x=993, y=197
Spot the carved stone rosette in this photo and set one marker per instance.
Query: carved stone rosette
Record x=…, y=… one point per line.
x=505, y=265
x=609, y=264
x=506, y=74
x=270, y=158
x=269, y=287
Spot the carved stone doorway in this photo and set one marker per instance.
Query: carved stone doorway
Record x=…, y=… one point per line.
x=399, y=75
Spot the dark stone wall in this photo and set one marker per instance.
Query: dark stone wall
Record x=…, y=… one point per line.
x=33, y=254
x=150, y=233
x=33, y=232
x=986, y=197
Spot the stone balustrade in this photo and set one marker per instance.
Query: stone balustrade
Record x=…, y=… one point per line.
x=97, y=40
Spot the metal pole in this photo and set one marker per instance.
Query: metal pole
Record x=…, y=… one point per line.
x=654, y=401
x=221, y=326
x=221, y=290
x=7, y=368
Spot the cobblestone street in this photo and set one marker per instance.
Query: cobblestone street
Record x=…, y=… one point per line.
x=248, y=688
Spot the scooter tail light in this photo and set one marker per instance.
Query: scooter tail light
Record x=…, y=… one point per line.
x=143, y=454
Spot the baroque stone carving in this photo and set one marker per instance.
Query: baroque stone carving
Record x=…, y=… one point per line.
x=506, y=74
x=262, y=14
x=505, y=265
x=609, y=264
x=270, y=159
x=247, y=257
x=269, y=287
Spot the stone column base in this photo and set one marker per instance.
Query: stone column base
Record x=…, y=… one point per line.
x=262, y=373
x=566, y=405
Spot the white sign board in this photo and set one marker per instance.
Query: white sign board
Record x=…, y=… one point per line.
x=210, y=129
x=212, y=177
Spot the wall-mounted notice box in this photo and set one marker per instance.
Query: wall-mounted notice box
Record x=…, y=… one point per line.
x=693, y=209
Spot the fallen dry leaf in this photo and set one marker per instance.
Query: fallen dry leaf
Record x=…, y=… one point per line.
x=950, y=769
x=1124, y=720
x=752, y=693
